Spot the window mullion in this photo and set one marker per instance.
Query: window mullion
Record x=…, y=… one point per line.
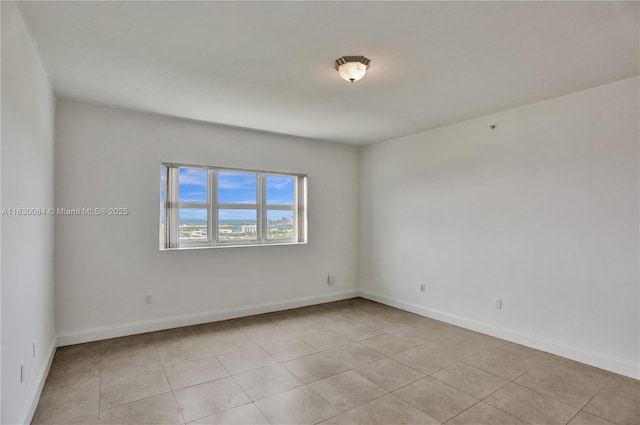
x=302, y=214
x=262, y=211
x=193, y=204
x=296, y=215
x=238, y=206
x=282, y=207
x=211, y=205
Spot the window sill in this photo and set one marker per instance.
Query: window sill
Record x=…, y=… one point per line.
x=192, y=247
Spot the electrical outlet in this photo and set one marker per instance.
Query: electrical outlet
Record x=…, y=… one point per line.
x=499, y=304
x=34, y=350
x=148, y=299
x=331, y=279
x=21, y=373
x=423, y=287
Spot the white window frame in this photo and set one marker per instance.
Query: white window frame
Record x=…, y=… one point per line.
x=213, y=206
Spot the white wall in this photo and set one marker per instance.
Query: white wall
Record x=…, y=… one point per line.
x=541, y=212
x=27, y=242
x=105, y=265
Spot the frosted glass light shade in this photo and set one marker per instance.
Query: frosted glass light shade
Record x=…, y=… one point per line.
x=352, y=68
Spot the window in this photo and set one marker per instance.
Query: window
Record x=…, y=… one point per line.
x=210, y=206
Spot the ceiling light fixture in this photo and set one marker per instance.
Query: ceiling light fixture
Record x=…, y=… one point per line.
x=352, y=68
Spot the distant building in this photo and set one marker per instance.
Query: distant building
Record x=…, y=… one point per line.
x=249, y=228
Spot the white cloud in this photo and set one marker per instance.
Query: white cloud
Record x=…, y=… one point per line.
x=191, y=176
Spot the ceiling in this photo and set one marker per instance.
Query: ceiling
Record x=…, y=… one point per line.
x=269, y=65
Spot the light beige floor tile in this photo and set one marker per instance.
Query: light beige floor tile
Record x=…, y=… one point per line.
x=267, y=333
x=131, y=360
x=568, y=387
x=417, y=335
x=176, y=353
x=205, y=329
x=616, y=408
x=226, y=341
x=389, y=374
x=384, y=323
x=387, y=344
x=531, y=406
x=584, y=418
x=470, y=380
x=508, y=362
x=277, y=317
x=77, y=357
x=161, y=409
x=125, y=343
x=118, y=388
x=195, y=372
x=289, y=349
x=69, y=416
x=173, y=336
x=436, y=399
x=347, y=390
x=360, y=315
x=247, y=414
x=385, y=410
x=358, y=331
x=562, y=366
x=72, y=379
x=71, y=406
x=298, y=406
x=66, y=373
x=269, y=380
x=244, y=360
x=484, y=414
x=315, y=366
x=209, y=398
x=301, y=326
x=423, y=360
x=335, y=320
x=458, y=349
x=244, y=323
x=311, y=310
x=354, y=355
x=326, y=340
x=625, y=387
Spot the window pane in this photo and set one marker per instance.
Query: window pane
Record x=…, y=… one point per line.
x=280, y=190
x=163, y=184
x=163, y=198
x=193, y=224
x=193, y=185
x=237, y=188
x=237, y=225
x=280, y=225
x=162, y=226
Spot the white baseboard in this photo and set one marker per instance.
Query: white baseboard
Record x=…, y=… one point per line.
x=604, y=361
x=42, y=378
x=124, y=329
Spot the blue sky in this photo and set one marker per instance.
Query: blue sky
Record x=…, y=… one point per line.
x=233, y=187
x=280, y=190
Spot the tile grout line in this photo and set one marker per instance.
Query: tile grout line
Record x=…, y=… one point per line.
x=611, y=378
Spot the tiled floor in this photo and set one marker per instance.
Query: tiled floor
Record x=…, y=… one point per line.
x=348, y=362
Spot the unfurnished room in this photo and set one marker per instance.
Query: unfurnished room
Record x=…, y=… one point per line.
x=320, y=212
